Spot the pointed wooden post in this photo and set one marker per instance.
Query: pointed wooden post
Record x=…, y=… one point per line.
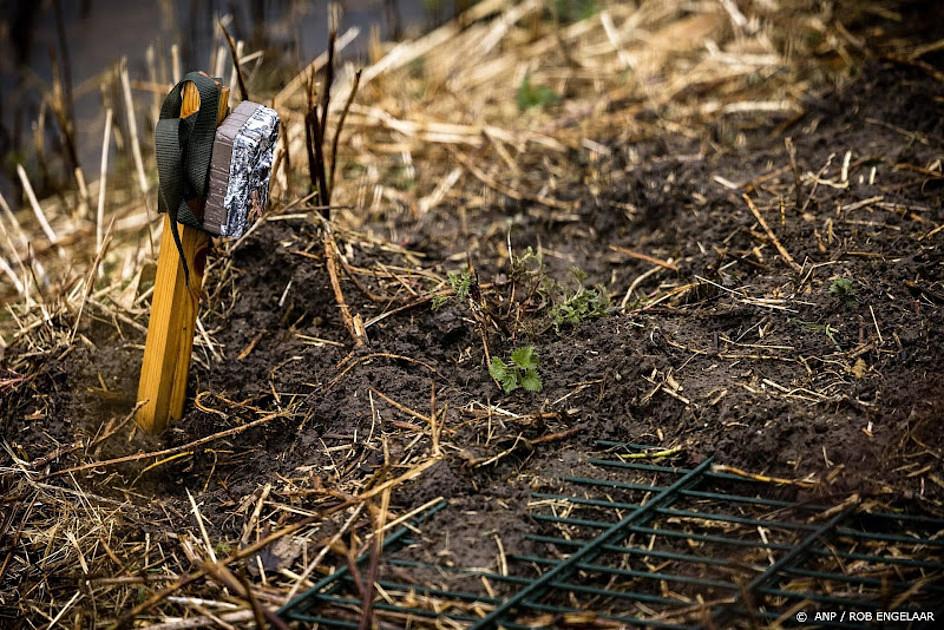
x=174, y=307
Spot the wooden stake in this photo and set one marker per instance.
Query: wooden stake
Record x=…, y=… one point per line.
x=174, y=307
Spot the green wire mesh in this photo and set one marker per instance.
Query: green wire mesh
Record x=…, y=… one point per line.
x=657, y=546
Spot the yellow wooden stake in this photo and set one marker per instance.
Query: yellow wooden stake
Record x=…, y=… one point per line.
x=174, y=307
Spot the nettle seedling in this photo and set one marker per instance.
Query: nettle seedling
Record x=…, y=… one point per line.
x=521, y=370
x=843, y=288
x=581, y=305
x=530, y=95
x=460, y=282
x=571, y=307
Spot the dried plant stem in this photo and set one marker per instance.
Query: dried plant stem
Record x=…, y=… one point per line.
x=374, y=565
x=8, y=270
x=133, y=129
x=337, y=131
x=21, y=287
x=784, y=254
x=34, y=204
x=174, y=450
x=331, y=260
x=103, y=176
x=90, y=277
x=324, y=551
x=243, y=92
x=83, y=209
x=175, y=63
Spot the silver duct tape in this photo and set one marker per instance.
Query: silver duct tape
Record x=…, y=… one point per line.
x=240, y=169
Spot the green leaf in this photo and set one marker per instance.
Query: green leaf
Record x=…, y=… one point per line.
x=531, y=381
x=510, y=382
x=461, y=283
x=524, y=357
x=497, y=369
x=842, y=287
x=529, y=95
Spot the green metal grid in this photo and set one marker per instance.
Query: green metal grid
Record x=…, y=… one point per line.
x=672, y=548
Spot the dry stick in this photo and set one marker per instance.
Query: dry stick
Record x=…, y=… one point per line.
x=20, y=234
x=18, y=259
x=232, y=72
x=256, y=513
x=90, y=278
x=103, y=175
x=152, y=77
x=37, y=209
x=787, y=258
x=317, y=135
x=175, y=62
x=243, y=92
x=223, y=575
x=302, y=77
x=83, y=192
x=792, y=154
x=203, y=531
x=340, y=126
x=324, y=551
x=12, y=247
x=326, y=87
x=7, y=269
x=23, y=240
x=355, y=329
x=310, y=142
x=436, y=427
x=665, y=264
x=374, y=566
x=430, y=420
x=170, y=451
x=133, y=131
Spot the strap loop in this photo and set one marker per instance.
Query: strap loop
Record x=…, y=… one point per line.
x=184, y=147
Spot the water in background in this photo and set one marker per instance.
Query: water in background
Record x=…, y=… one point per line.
x=87, y=37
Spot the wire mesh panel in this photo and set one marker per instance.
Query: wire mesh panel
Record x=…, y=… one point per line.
x=640, y=544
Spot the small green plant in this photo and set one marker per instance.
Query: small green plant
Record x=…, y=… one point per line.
x=460, y=282
x=530, y=95
x=575, y=10
x=842, y=288
x=521, y=370
x=579, y=306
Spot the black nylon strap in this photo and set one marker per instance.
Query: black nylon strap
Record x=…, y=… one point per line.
x=184, y=148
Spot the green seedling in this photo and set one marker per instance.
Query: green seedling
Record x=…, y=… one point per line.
x=460, y=282
x=842, y=288
x=529, y=95
x=575, y=10
x=580, y=306
x=521, y=370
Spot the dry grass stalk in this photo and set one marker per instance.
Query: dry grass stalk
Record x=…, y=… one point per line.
x=133, y=129
x=787, y=258
x=102, y=179
x=237, y=70
x=37, y=208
